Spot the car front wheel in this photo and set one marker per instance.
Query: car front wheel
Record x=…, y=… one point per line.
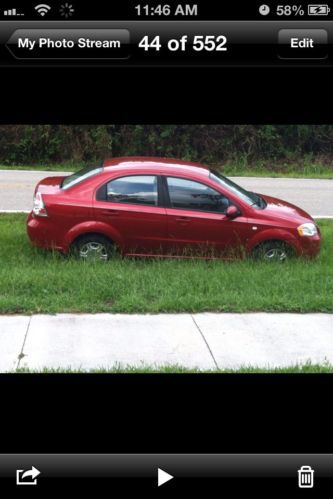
x=273, y=251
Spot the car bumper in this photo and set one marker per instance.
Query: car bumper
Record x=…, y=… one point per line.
x=310, y=246
x=42, y=234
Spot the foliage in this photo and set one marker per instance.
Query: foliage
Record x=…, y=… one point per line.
x=275, y=146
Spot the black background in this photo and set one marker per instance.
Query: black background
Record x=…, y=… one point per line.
x=166, y=413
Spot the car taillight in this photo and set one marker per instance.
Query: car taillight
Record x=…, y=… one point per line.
x=39, y=206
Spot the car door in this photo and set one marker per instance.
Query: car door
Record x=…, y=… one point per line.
x=197, y=222
x=129, y=206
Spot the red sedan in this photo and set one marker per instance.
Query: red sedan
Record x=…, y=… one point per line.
x=152, y=206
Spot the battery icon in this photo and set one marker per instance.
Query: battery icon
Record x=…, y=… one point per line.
x=318, y=10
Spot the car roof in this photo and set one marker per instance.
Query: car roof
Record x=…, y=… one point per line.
x=144, y=162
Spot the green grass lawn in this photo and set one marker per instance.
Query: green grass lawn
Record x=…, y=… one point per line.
x=37, y=281
x=305, y=171
x=307, y=368
x=52, y=167
x=308, y=169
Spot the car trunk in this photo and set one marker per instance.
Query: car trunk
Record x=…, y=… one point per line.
x=49, y=185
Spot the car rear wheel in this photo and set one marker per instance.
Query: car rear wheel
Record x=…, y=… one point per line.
x=93, y=248
x=273, y=251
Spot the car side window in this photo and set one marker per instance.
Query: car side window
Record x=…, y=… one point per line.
x=191, y=195
x=138, y=189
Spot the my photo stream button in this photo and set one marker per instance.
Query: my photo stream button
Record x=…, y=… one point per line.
x=302, y=44
x=70, y=44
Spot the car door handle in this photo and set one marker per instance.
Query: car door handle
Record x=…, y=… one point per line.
x=110, y=212
x=183, y=220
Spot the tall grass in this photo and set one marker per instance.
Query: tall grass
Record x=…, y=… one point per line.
x=36, y=281
x=307, y=368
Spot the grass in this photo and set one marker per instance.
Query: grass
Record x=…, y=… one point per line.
x=69, y=166
x=307, y=368
x=306, y=169
x=37, y=281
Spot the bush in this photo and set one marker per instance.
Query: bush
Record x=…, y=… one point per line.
x=212, y=144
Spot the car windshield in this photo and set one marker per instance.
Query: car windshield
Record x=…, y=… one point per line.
x=248, y=197
x=77, y=177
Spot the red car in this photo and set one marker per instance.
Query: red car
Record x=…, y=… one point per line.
x=152, y=206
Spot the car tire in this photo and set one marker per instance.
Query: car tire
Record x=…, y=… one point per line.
x=93, y=247
x=273, y=251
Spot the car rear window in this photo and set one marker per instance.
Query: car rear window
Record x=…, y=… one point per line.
x=81, y=175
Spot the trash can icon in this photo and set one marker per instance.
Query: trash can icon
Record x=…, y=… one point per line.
x=305, y=477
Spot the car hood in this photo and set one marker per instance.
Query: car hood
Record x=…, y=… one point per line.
x=49, y=185
x=282, y=209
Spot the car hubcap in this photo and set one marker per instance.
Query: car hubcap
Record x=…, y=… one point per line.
x=93, y=251
x=277, y=254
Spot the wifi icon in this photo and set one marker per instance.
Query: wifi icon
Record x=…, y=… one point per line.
x=42, y=9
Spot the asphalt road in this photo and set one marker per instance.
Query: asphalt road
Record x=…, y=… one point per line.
x=313, y=195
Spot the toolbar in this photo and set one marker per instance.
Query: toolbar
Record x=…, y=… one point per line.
x=166, y=43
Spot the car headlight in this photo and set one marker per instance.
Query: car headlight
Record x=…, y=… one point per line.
x=308, y=229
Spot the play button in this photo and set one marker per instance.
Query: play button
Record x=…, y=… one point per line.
x=163, y=477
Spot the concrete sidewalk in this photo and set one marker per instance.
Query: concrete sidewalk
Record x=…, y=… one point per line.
x=205, y=341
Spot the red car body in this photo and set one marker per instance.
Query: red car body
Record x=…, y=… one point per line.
x=67, y=214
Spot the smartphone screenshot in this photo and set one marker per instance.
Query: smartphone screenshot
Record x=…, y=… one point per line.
x=166, y=247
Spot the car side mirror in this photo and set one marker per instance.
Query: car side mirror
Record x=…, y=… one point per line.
x=232, y=211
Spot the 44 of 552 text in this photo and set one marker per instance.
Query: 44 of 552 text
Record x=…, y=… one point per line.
x=208, y=43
